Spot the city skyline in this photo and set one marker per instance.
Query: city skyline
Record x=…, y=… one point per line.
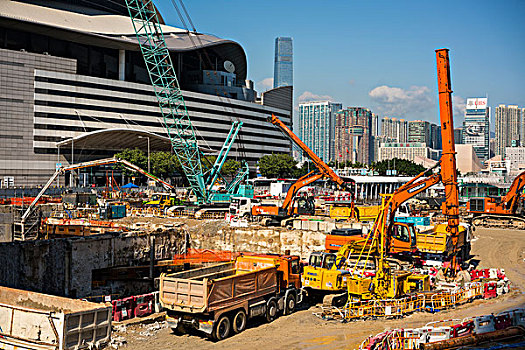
x=393, y=73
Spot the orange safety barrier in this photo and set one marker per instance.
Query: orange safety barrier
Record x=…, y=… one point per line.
x=199, y=256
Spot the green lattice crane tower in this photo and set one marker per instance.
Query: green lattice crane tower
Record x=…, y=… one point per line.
x=169, y=96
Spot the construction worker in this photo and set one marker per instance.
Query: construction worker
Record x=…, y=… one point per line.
x=463, y=276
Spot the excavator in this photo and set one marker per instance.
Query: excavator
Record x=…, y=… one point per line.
x=501, y=212
x=288, y=208
x=363, y=267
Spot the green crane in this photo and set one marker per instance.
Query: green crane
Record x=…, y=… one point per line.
x=169, y=96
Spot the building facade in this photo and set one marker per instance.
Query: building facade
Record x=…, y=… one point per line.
x=515, y=159
x=476, y=127
x=283, y=64
x=67, y=73
x=353, y=138
x=419, y=132
x=508, y=127
x=408, y=151
x=317, y=127
x=394, y=130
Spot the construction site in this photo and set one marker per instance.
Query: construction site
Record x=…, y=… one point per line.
x=228, y=261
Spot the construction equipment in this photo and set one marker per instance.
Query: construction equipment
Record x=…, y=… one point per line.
x=502, y=212
x=19, y=228
x=359, y=255
x=292, y=205
x=178, y=124
x=220, y=299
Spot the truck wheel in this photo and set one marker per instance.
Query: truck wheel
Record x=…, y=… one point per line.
x=179, y=330
x=222, y=329
x=239, y=321
x=290, y=303
x=271, y=310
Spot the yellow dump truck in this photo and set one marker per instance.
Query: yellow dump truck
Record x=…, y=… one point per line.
x=366, y=213
x=435, y=243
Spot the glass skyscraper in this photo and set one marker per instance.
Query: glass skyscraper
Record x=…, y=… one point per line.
x=283, y=67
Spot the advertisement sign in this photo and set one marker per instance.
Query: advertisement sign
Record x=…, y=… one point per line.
x=477, y=103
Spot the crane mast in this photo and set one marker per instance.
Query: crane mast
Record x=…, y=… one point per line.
x=167, y=90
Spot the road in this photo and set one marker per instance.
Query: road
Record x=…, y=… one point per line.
x=302, y=330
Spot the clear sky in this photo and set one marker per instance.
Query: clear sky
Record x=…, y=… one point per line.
x=377, y=54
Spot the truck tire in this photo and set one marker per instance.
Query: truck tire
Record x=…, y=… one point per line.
x=290, y=304
x=222, y=328
x=239, y=321
x=271, y=310
x=179, y=330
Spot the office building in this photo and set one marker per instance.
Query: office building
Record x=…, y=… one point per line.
x=458, y=136
x=508, y=128
x=515, y=158
x=435, y=136
x=283, y=64
x=353, y=139
x=75, y=88
x=393, y=129
x=317, y=127
x=476, y=127
x=408, y=151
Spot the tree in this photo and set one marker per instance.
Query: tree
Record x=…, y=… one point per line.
x=135, y=156
x=277, y=165
x=164, y=164
x=403, y=167
x=230, y=167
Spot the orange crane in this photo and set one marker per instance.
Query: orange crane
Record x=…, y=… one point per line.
x=505, y=211
x=287, y=208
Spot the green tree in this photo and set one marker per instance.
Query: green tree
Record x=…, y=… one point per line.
x=230, y=167
x=277, y=165
x=135, y=156
x=164, y=164
x=403, y=167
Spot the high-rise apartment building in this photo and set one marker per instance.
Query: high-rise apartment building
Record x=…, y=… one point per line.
x=317, y=127
x=395, y=130
x=353, y=139
x=508, y=128
x=283, y=64
x=476, y=127
x=458, y=136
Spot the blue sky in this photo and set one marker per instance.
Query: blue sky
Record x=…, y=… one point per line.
x=377, y=54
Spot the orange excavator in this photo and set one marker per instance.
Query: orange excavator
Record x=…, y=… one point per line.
x=292, y=205
x=502, y=212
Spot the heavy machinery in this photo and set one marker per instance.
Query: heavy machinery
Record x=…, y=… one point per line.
x=178, y=125
x=363, y=265
x=504, y=212
x=292, y=205
x=19, y=228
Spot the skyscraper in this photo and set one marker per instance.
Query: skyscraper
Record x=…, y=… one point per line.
x=353, y=138
x=317, y=127
x=419, y=131
x=508, y=128
x=283, y=64
x=476, y=128
x=394, y=130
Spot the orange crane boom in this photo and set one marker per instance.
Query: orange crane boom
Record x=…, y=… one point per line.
x=323, y=171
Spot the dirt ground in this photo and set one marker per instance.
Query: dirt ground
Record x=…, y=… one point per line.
x=302, y=330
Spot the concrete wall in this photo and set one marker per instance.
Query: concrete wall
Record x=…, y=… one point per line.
x=64, y=266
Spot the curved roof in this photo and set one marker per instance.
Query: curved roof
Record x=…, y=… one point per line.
x=114, y=31
x=118, y=139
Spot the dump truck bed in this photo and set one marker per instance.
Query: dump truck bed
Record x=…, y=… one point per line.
x=30, y=320
x=211, y=288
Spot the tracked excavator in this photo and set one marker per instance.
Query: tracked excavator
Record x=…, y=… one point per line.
x=500, y=212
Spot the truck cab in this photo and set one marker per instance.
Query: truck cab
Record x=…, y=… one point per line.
x=288, y=266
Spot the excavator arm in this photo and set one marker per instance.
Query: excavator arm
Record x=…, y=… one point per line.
x=322, y=167
x=292, y=192
x=510, y=200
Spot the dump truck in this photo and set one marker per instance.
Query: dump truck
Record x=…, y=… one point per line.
x=435, y=243
x=30, y=320
x=220, y=299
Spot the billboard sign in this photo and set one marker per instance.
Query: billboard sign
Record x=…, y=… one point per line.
x=477, y=103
